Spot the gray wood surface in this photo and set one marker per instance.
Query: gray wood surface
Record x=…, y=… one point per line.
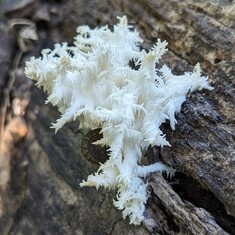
x=43, y=195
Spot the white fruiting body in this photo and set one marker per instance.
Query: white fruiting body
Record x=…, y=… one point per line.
x=93, y=81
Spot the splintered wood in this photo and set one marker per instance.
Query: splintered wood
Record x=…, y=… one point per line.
x=13, y=133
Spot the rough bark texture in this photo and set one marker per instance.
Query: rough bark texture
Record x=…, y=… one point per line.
x=42, y=194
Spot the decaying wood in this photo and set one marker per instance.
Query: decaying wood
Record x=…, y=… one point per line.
x=203, y=144
x=45, y=196
x=14, y=132
x=190, y=219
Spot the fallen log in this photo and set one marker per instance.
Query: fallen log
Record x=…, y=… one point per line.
x=202, y=197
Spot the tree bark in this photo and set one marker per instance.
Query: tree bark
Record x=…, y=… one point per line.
x=43, y=195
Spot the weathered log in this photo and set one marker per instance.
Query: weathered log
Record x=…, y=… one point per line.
x=202, y=197
x=190, y=219
x=203, y=144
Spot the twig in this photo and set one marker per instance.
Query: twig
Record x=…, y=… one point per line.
x=27, y=32
x=6, y=94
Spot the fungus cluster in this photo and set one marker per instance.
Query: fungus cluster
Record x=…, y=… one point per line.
x=93, y=81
